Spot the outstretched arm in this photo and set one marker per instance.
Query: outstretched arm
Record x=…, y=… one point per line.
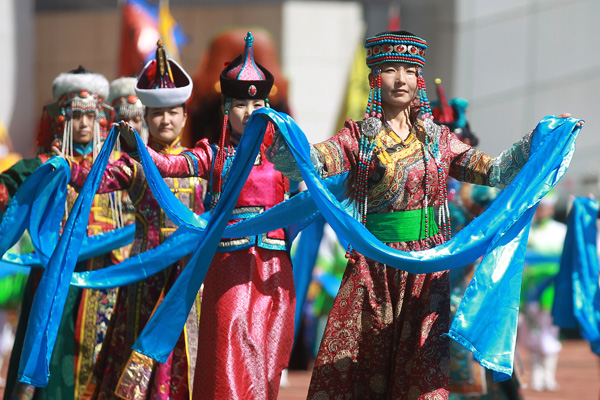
x=119, y=175
x=190, y=162
x=475, y=166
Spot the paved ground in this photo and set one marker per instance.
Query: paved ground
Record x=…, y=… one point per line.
x=578, y=375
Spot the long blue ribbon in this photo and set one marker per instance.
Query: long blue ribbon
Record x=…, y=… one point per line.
x=50, y=296
x=299, y=210
x=39, y=206
x=45, y=186
x=497, y=237
x=577, y=295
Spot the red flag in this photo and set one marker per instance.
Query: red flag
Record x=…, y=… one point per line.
x=139, y=34
x=394, y=20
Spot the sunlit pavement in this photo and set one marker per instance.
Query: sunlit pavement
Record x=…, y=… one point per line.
x=578, y=375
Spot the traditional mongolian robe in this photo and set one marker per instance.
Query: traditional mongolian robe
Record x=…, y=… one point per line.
x=118, y=371
x=248, y=301
x=88, y=311
x=385, y=334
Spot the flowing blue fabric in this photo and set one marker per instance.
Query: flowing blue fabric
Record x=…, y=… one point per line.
x=39, y=206
x=498, y=233
x=47, y=186
x=179, y=300
x=296, y=212
x=7, y=269
x=500, y=239
x=577, y=295
x=50, y=296
x=92, y=246
x=304, y=261
x=533, y=257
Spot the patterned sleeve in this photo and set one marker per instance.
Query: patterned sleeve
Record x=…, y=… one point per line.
x=331, y=157
x=191, y=162
x=119, y=175
x=474, y=166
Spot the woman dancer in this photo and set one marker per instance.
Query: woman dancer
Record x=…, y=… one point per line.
x=385, y=334
x=248, y=302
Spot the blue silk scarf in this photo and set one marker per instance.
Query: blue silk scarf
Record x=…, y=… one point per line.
x=495, y=286
x=577, y=295
x=39, y=206
x=39, y=203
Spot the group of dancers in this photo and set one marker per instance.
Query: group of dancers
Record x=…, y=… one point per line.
x=385, y=337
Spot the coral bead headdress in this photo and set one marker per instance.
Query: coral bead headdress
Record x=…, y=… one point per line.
x=123, y=99
x=78, y=90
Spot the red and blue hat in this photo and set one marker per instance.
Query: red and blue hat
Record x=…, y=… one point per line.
x=394, y=47
x=243, y=78
x=399, y=46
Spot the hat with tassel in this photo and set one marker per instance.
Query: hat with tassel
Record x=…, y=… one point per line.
x=398, y=47
x=452, y=113
x=241, y=79
x=163, y=82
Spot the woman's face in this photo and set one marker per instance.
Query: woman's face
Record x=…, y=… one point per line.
x=398, y=84
x=240, y=111
x=83, y=127
x=165, y=123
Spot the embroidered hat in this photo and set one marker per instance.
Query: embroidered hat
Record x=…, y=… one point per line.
x=78, y=90
x=123, y=99
x=241, y=79
x=127, y=105
x=396, y=47
x=245, y=79
x=163, y=82
x=400, y=46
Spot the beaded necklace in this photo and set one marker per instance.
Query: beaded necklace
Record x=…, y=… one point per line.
x=371, y=127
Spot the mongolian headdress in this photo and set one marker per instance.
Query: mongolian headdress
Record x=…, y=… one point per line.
x=392, y=47
x=125, y=102
x=163, y=82
x=241, y=79
x=402, y=47
x=75, y=91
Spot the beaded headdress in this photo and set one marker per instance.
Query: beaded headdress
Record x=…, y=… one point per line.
x=243, y=78
x=399, y=47
x=125, y=102
x=163, y=82
x=78, y=90
x=389, y=47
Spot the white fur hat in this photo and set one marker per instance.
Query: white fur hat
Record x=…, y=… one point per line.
x=121, y=87
x=164, y=97
x=78, y=80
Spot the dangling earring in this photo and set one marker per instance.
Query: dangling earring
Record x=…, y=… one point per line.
x=423, y=100
x=220, y=157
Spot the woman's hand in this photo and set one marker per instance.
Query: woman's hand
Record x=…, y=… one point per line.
x=568, y=115
x=57, y=151
x=127, y=134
